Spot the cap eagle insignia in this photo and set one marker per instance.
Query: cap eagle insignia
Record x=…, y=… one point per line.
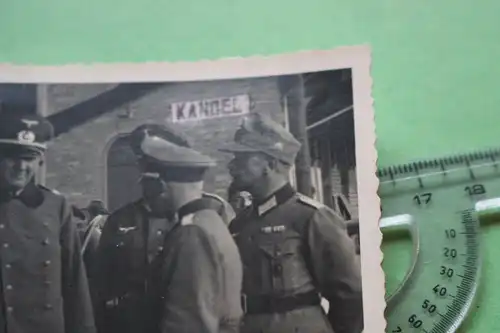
x=26, y=137
x=30, y=123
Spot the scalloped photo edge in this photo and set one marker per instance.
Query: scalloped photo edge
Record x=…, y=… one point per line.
x=190, y=76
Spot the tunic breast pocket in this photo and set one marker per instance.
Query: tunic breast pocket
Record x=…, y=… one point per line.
x=286, y=266
x=127, y=248
x=42, y=241
x=126, y=236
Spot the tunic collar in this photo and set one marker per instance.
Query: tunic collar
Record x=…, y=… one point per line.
x=31, y=196
x=277, y=198
x=193, y=206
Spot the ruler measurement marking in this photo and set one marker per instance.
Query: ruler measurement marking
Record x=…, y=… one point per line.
x=453, y=160
x=452, y=314
x=416, y=167
x=398, y=173
x=391, y=174
x=467, y=278
x=438, y=328
x=452, y=311
x=467, y=163
x=493, y=159
x=442, y=167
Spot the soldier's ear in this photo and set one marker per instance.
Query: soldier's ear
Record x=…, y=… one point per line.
x=273, y=164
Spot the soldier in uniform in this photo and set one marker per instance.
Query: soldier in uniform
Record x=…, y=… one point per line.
x=131, y=238
x=221, y=206
x=92, y=219
x=294, y=249
x=224, y=209
x=198, y=284
x=43, y=282
x=97, y=208
x=95, y=217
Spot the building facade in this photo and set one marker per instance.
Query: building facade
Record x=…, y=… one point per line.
x=90, y=159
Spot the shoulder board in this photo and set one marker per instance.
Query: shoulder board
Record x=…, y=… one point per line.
x=50, y=190
x=187, y=220
x=319, y=206
x=309, y=202
x=214, y=196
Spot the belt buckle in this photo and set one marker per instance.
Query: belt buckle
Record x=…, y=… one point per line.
x=243, y=301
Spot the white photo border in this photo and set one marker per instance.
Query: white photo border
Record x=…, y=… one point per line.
x=358, y=58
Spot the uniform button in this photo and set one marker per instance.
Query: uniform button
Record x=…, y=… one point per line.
x=2, y=226
x=46, y=241
x=278, y=270
x=10, y=309
x=47, y=283
x=160, y=248
x=8, y=266
x=159, y=232
x=47, y=306
x=8, y=287
x=5, y=245
x=46, y=263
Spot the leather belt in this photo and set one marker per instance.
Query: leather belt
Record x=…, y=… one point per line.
x=129, y=297
x=274, y=304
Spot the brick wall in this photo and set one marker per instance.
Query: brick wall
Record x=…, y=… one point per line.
x=63, y=96
x=76, y=160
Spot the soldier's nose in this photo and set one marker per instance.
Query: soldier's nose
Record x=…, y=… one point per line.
x=22, y=165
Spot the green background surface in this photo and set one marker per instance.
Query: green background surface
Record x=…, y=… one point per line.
x=435, y=64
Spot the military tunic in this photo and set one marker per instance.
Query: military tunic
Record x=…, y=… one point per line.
x=199, y=287
x=94, y=235
x=295, y=250
x=222, y=207
x=130, y=240
x=90, y=255
x=44, y=287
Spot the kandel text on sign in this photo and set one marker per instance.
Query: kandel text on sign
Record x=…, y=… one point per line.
x=210, y=108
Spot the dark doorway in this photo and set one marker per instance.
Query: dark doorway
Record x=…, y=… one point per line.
x=122, y=174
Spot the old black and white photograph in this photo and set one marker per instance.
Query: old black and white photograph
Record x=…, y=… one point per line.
x=224, y=205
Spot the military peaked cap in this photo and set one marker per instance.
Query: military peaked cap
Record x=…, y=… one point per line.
x=259, y=133
x=97, y=207
x=166, y=146
x=25, y=131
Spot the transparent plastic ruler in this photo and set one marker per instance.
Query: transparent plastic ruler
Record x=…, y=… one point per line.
x=439, y=205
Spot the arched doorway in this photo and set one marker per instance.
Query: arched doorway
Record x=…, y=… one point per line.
x=122, y=174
